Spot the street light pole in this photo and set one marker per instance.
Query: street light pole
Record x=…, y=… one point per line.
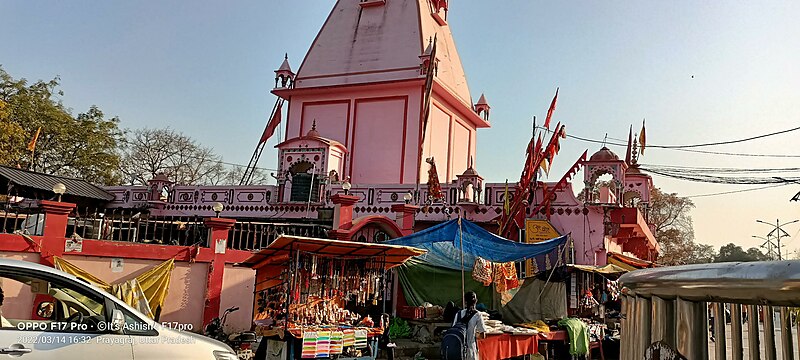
x=778, y=232
x=767, y=245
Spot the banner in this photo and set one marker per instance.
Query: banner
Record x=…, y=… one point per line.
x=539, y=230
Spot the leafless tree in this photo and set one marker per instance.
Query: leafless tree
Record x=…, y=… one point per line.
x=148, y=152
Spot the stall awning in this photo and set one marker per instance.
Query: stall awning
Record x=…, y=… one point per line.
x=394, y=254
x=608, y=269
x=629, y=263
x=445, y=241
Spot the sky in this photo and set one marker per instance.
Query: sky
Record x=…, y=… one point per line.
x=698, y=72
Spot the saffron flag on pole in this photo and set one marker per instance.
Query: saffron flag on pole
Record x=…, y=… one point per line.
x=550, y=111
x=630, y=145
x=32, y=144
x=272, y=125
x=505, y=201
x=642, y=138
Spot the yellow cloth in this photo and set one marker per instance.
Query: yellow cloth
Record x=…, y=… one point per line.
x=146, y=292
x=541, y=327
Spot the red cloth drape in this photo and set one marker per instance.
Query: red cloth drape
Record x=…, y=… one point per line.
x=504, y=346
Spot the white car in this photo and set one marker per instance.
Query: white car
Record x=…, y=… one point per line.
x=48, y=314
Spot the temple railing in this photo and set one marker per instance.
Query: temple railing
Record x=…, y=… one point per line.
x=15, y=217
x=261, y=202
x=667, y=309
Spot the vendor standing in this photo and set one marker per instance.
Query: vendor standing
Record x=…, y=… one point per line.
x=475, y=326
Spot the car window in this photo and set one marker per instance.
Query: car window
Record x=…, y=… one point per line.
x=35, y=303
x=135, y=326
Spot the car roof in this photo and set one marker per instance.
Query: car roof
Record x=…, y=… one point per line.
x=28, y=265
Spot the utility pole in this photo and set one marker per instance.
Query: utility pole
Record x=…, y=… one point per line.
x=768, y=245
x=777, y=232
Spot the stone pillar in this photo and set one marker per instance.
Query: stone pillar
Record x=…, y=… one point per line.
x=218, y=235
x=343, y=209
x=55, y=229
x=405, y=217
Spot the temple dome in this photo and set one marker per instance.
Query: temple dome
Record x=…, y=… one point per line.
x=604, y=154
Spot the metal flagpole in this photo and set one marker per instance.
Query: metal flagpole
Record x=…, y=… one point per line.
x=461, y=238
x=311, y=188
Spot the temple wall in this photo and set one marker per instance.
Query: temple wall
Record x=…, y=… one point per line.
x=184, y=303
x=378, y=125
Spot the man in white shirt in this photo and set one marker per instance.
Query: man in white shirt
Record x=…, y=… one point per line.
x=475, y=326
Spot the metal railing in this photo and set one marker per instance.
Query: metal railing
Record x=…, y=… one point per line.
x=253, y=235
x=29, y=220
x=667, y=309
x=134, y=225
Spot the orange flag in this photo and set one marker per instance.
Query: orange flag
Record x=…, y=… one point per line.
x=642, y=139
x=550, y=111
x=272, y=125
x=32, y=144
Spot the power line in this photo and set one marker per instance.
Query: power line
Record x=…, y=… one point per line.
x=735, y=191
x=676, y=149
x=725, y=142
x=695, y=169
x=697, y=177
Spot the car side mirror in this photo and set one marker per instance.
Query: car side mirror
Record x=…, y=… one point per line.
x=45, y=310
x=117, y=321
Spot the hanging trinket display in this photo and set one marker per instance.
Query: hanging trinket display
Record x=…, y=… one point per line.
x=316, y=291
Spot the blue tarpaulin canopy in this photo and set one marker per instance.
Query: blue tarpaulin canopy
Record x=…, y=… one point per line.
x=444, y=242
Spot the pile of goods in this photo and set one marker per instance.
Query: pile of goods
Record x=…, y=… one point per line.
x=322, y=311
x=496, y=327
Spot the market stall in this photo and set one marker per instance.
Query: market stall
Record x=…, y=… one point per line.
x=321, y=298
x=592, y=305
x=462, y=256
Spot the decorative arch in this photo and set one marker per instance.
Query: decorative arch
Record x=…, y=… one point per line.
x=352, y=230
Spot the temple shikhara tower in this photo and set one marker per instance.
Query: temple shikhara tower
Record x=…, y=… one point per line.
x=363, y=83
x=379, y=140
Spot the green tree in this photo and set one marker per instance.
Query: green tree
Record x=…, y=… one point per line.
x=82, y=146
x=12, y=136
x=735, y=253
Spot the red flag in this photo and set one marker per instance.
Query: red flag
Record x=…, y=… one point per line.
x=538, y=144
x=272, y=125
x=642, y=139
x=630, y=145
x=550, y=111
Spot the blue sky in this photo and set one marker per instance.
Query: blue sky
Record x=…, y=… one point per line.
x=206, y=68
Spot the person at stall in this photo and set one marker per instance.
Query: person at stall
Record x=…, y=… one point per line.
x=476, y=329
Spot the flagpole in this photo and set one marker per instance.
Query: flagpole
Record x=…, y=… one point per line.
x=461, y=238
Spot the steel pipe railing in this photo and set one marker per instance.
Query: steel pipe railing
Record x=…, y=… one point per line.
x=670, y=305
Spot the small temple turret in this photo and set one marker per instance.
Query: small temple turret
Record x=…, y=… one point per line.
x=425, y=60
x=482, y=107
x=284, y=76
x=469, y=184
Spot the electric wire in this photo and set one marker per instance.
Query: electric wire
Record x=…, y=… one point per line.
x=733, y=191
x=624, y=145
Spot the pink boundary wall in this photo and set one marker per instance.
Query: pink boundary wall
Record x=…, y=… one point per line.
x=196, y=293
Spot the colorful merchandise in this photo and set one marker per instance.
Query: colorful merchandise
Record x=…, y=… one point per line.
x=360, y=339
x=309, y=345
x=482, y=271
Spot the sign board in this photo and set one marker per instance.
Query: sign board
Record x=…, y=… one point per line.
x=117, y=265
x=539, y=230
x=220, y=245
x=73, y=245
